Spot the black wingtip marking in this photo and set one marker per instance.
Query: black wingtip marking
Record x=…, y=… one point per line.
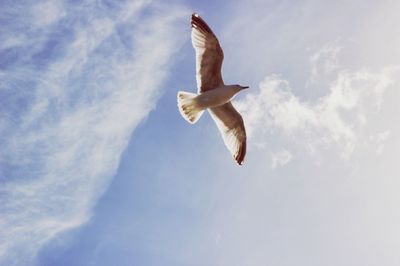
x=242, y=153
x=198, y=22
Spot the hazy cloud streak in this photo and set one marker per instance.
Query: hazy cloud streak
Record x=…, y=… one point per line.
x=73, y=88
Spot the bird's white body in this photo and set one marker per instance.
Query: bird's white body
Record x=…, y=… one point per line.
x=192, y=105
x=216, y=97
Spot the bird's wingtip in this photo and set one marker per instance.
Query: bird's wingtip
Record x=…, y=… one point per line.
x=239, y=158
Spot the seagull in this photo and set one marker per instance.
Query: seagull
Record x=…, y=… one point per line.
x=212, y=93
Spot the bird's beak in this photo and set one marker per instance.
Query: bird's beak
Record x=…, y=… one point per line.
x=245, y=87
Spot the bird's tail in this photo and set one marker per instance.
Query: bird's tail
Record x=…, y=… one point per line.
x=188, y=108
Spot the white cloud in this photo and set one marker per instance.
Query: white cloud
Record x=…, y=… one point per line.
x=336, y=118
x=66, y=123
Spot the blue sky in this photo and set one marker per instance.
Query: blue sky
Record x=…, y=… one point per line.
x=98, y=168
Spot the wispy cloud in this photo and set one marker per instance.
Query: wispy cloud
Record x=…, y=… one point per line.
x=324, y=62
x=47, y=12
x=380, y=139
x=281, y=158
x=70, y=98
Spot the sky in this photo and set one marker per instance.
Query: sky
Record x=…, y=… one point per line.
x=97, y=167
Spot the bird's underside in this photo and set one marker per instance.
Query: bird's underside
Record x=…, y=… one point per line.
x=209, y=57
x=231, y=126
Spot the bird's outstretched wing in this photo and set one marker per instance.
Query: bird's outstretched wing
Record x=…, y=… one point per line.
x=231, y=126
x=209, y=55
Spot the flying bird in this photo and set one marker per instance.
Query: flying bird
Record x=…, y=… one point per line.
x=212, y=93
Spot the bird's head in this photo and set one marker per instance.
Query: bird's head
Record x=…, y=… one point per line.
x=239, y=87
